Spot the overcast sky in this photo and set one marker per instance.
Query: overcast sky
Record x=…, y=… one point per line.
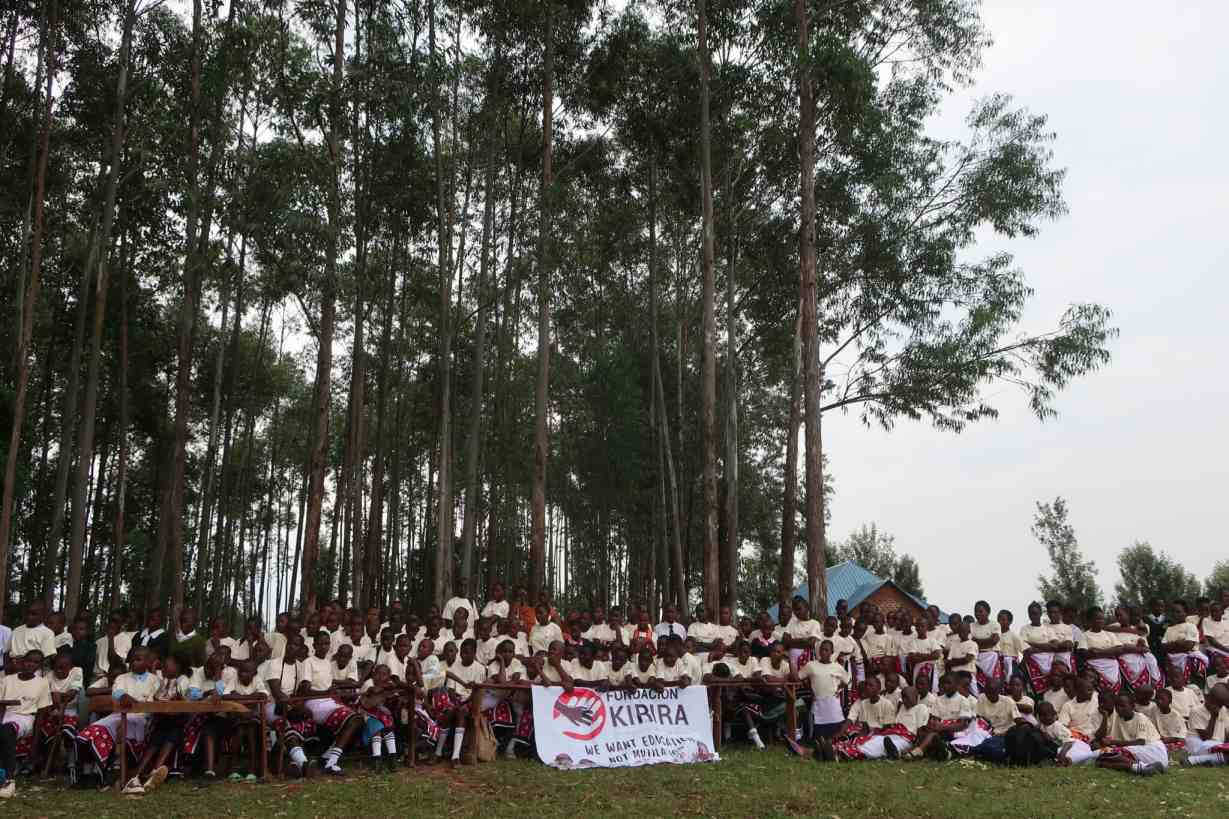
x=1137, y=94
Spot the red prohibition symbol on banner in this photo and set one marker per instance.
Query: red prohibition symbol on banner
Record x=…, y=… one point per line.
x=583, y=709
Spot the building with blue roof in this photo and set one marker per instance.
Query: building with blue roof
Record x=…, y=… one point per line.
x=856, y=585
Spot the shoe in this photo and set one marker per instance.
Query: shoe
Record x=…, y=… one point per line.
x=8, y=789
x=890, y=750
x=333, y=770
x=156, y=778
x=250, y=779
x=133, y=788
x=235, y=777
x=1152, y=769
x=391, y=764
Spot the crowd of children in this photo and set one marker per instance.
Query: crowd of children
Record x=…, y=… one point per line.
x=1120, y=692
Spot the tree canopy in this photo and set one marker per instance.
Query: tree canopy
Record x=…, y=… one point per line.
x=352, y=299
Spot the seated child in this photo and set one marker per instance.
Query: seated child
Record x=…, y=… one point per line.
x=317, y=681
x=32, y=692
x=378, y=732
x=66, y=684
x=1133, y=744
x=1169, y=723
x=97, y=741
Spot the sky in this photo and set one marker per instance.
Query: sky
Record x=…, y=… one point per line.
x=1136, y=93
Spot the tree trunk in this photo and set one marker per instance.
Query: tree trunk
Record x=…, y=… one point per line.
x=473, y=443
x=730, y=555
x=789, y=505
x=121, y=476
x=328, y=315
x=677, y=574
x=85, y=444
x=373, y=547
x=26, y=331
x=537, y=546
x=810, y=342
x=444, y=515
x=708, y=400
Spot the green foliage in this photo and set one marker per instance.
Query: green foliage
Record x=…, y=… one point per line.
x=1147, y=575
x=1073, y=580
x=876, y=551
x=1217, y=583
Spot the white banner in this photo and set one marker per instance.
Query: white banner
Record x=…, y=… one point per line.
x=622, y=729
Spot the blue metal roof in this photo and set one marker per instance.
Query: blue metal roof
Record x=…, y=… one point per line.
x=848, y=581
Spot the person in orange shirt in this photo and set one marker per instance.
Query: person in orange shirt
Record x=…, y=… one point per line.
x=523, y=612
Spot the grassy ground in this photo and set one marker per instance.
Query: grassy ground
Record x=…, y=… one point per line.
x=742, y=784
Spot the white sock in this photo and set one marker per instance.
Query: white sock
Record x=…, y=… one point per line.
x=331, y=756
x=755, y=737
x=457, y=743
x=297, y=757
x=377, y=747
x=441, y=744
x=390, y=744
x=1206, y=759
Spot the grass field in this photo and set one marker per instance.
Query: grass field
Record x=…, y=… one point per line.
x=742, y=784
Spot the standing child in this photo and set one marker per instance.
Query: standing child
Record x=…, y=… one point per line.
x=827, y=679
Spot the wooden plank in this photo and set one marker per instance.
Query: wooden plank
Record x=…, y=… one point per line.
x=224, y=706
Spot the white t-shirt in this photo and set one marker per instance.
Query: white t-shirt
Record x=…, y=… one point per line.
x=318, y=672
x=495, y=608
x=804, y=629
x=1217, y=630
x=1138, y=727
x=541, y=636
x=1081, y=716
x=875, y=714
x=1099, y=641
x=26, y=639
x=475, y=672
x=913, y=718
x=599, y=672
x=73, y=682
x=277, y=644
x=672, y=673
x=286, y=674
x=33, y=694
x=1001, y=715
x=1035, y=634
x=122, y=645
x=825, y=678
x=141, y=689
x=702, y=632
x=255, y=687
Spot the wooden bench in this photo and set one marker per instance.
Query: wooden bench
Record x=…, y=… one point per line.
x=100, y=704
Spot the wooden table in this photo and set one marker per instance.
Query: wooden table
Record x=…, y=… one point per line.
x=718, y=706
x=232, y=705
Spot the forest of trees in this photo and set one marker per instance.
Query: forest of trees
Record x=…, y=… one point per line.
x=380, y=298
